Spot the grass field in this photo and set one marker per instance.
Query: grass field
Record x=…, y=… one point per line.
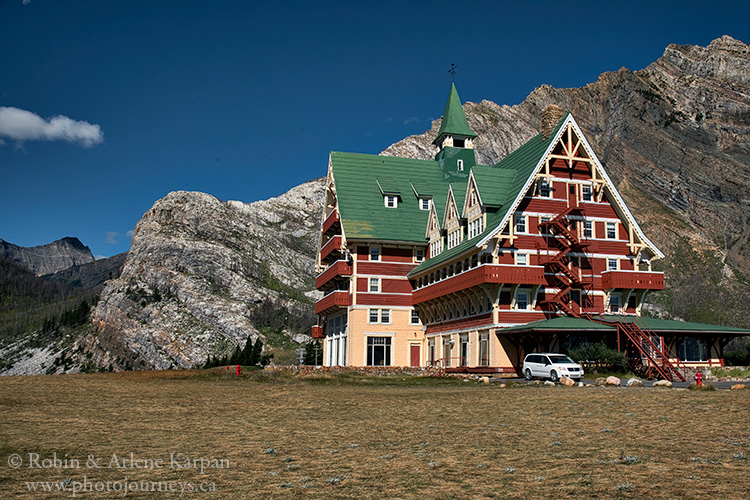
x=279, y=436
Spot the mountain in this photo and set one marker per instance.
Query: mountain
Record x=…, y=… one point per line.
x=203, y=275
x=50, y=258
x=42, y=317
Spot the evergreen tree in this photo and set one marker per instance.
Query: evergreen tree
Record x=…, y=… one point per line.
x=311, y=354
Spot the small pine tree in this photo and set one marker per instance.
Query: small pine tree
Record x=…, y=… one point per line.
x=247, y=352
x=311, y=353
x=235, y=359
x=257, y=352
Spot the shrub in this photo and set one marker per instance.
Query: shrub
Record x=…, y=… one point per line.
x=599, y=356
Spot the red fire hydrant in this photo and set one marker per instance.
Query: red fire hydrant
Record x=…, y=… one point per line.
x=239, y=370
x=699, y=379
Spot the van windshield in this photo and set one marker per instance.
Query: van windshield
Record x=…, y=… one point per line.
x=561, y=360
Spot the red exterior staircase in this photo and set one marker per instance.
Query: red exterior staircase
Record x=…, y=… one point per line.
x=655, y=356
x=557, y=272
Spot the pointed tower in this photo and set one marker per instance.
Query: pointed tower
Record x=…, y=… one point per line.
x=455, y=139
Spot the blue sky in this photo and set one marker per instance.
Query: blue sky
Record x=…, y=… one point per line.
x=107, y=106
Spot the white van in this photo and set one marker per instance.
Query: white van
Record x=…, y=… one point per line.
x=552, y=366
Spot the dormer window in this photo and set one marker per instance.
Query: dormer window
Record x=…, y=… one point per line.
x=390, y=201
x=460, y=165
x=424, y=203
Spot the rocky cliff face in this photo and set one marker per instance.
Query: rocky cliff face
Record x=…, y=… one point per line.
x=197, y=272
x=50, y=258
x=674, y=136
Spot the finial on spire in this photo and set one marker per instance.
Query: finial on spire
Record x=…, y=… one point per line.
x=452, y=71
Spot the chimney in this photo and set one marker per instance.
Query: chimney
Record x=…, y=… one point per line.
x=550, y=116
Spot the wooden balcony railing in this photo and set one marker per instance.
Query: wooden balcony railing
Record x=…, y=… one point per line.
x=486, y=273
x=332, y=301
x=332, y=245
x=332, y=218
x=639, y=280
x=338, y=268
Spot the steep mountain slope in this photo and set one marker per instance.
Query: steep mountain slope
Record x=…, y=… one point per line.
x=199, y=274
x=42, y=317
x=50, y=258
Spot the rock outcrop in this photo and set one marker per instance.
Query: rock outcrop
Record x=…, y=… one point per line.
x=198, y=269
x=50, y=258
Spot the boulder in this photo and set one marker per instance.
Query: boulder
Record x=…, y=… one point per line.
x=600, y=381
x=612, y=381
x=567, y=381
x=634, y=382
x=737, y=387
x=548, y=383
x=662, y=383
x=484, y=380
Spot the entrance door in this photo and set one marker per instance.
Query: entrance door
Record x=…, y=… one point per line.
x=415, y=355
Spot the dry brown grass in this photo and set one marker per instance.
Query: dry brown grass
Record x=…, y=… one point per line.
x=357, y=437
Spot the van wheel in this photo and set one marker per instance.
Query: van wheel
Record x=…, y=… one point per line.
x=528, y=374
x=553, y=376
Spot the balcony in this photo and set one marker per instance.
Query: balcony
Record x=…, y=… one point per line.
x=332, y=219
x=317, y=332
x=333, y=245
x=486, y=273
x=338, y=268
x=639, y=280
x=334, y=300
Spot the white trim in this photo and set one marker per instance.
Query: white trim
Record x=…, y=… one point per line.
x=596, y=164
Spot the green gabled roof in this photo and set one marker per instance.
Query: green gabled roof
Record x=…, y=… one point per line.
x=493, y=184
x=459, y=194
x=360, y=200
x=555, y=324
x=454, y=119
x=447, y=255
x=517, y=167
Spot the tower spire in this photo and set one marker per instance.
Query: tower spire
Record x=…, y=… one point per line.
x=454, y=122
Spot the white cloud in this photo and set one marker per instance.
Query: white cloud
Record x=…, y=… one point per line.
x=26, y=2
x=23, y=125
x=410, y=120
x=130, y=233
x=111, y=238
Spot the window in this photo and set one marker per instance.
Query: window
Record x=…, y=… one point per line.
x=447, y=345
x=454, y=238
x=614, y=303
x=522, y=301
x=424, y=203
x=374, y=285
x=414, y=317
x=520, y=224
x=611, y=230
x=476, y=227
x=588, y=229
x=373, y=316
x=460, y=165
x=419, y=255
x=545, y=190
x=612, y=264
x=390, y=201
x=587, y=193
x=374, y=253
x=542, y=221
x=435, y=248
x=522, y=259
x=385, y=316
x=464, y=350
x=430, y=352
x=459, y=143
x=692, y=350
x=378, y=351
x=484, y=349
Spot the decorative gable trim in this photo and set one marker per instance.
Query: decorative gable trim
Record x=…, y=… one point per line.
x=570, y=121
x=469, y=185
